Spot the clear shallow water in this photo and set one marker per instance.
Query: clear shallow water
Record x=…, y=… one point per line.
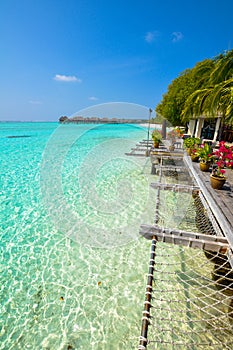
x=85, y=292
x=73, y=268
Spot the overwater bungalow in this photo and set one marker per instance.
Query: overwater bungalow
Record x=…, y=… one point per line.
x=78, y=119
x=104, y=120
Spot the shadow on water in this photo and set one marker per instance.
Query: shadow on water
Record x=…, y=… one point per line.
x=17, y=136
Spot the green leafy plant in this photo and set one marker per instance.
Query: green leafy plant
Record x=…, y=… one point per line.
x=191, y=142
x=156, y=136
x=205, y=153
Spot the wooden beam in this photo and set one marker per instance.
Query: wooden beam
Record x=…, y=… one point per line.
x=176, y=187
x=169, y=167
x=166, y=156
x=185, y=238
x=166, y=153
x=138, y=149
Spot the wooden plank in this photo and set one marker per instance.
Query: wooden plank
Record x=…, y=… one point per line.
x=188, y=239
x=166, y=156
x=176, y=187
x=220, y=202
x=150, y=230
x=166, y=153
x=139, y=149
x=145, y=142
x=169, y=167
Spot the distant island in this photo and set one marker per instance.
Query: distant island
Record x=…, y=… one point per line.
x=84, y=120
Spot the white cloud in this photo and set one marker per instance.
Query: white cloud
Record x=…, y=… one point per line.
x=93, y=98
x=67, y=78
x=177, y=36
x=151, y=36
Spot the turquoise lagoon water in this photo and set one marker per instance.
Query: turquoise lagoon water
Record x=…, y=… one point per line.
x=73, y=269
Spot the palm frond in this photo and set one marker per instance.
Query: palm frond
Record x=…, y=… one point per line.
x=223, y=68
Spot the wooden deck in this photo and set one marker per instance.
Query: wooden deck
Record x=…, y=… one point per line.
x=220, y=201
x=217, y=208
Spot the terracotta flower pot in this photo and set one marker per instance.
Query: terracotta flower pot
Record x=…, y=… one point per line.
x=217, y=182
x=194, y=158
x=204, y=166
x=156, y=144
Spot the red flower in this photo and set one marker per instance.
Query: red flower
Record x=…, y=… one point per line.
x=224, y=158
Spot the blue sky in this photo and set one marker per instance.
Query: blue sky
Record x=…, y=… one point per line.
x=58, y=57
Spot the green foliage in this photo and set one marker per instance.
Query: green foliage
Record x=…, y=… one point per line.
x=156, y=136
x=223, y=68
x=191, y=142
x=205, y=153
x=180, y=89
x=206, y=89
x=215, y=96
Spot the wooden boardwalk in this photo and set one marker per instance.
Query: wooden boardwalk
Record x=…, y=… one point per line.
x=216, y=214
x=220, y=201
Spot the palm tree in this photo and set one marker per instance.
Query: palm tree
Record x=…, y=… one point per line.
x=195, y=104
x=221, y=100
x=213, y=101
x=216, y=98
x=202, y=72
x=223, y=69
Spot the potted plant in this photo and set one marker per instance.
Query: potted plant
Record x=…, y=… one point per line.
x=156, y=137
x=205, y=155
x=191, y=143
x=194, y=156
x=171, y=135
x=223, y=158
x=179, y=131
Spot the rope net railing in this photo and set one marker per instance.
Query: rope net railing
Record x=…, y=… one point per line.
x=189, y=292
